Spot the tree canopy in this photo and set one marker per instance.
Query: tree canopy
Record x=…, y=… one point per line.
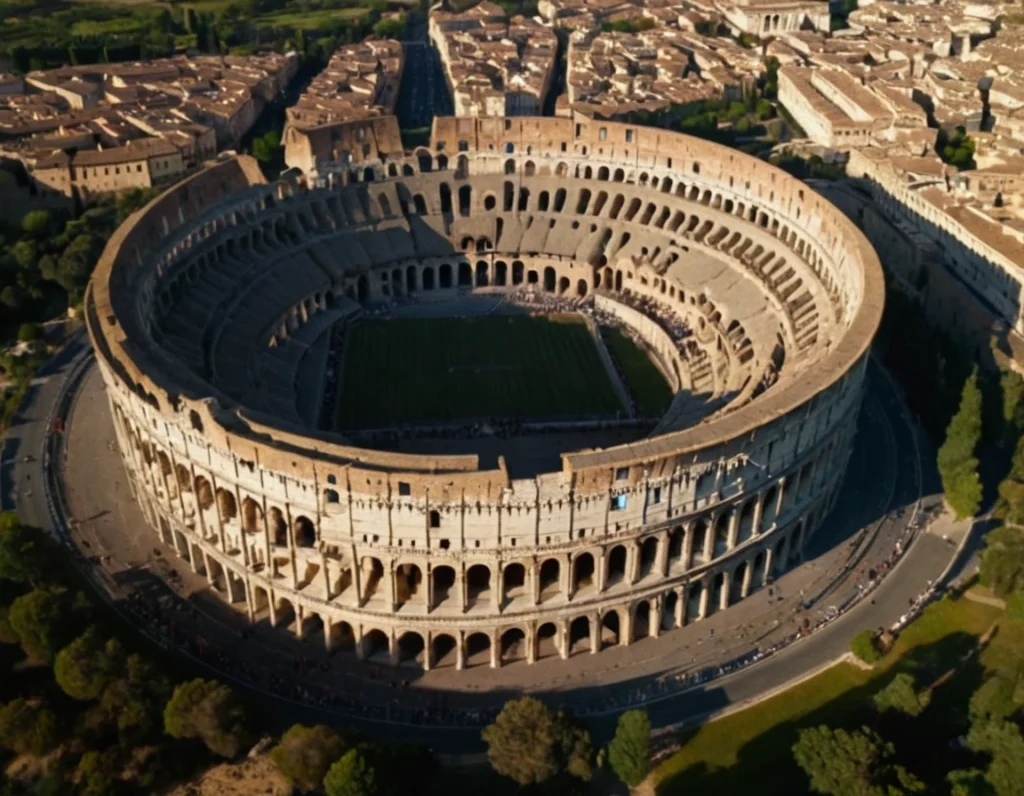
x=208, y=711
x=630, y=750
x=1002, y=560
x=45, y=619
x=306, y=753
x=958, y=466
x=352, y=775
x=530, y=743
x=901, y=695
x=841, y=763
x=86, y=667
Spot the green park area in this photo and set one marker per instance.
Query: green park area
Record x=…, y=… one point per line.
x=37, y=34
x=950, y=651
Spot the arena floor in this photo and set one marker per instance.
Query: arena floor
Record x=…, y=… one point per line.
x=428, y=370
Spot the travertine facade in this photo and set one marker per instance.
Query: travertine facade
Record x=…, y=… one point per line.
x=201, y=302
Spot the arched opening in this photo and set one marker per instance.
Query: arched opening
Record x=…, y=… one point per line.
x=313, y=631
x=362, y=289
x=547, y=641
x=420, y=204
x=768, y=506
x=517, y=272
x=481, y=274
x=425, y=161
x=341, y=638
x=444, y=651
x=717, y=585
x=513, y=645
x=500, y=273
x=278, y=527
x=509, y=196
x=758, y=575
x=444, y=580
x=204, y=493
x=428, y=278
x=642, y=621
x=582, y=572
x=581, y=288
x=252, y=516
x=478, y=649
x=465, y=275
x=668, y=611
x=736, y=587
x=446, y=199
x=700, y=533
x=550, y=579
x=549, y=279
x=514, y=581
x=408, y=578
x=524, y=199
x=465, y=199
x=376, y=647
x=410, y=279
x=446, y=276
x=579, y=635
x=559, y=200
x=648, y=556
x=372, y=574
x=746, y=527
x=411, y=649
x=284, y=613
x=693, y=598
x=305, y=533
x=721, y=534
x=610, y=630
x=478, y=584
x=616, y=566
x=563, y=285
x=510, y=166
x=675, y=546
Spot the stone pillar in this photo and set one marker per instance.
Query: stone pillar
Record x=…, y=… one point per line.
x=680, y=616
x=460, y=588
x=460, y=652
x=495, y=652
x=709, y=538
x=778, y=501
x=300, y=621
x=534, y=576
x=725, y=593
x=768, y=556
x=734, y=527
x=531, y=645
x=705, y=596
x=633, y=562
x=595, y=634
x=498, y=593
x=748, y=573
x=601, y=570
x=564, y=577
x=428, y=653
x=758, y=513
x=626, y=631
x=654, y=625
x=562, y=641
x=430, y=586
x=688, y=546
x=661, y=560
x=328, y=646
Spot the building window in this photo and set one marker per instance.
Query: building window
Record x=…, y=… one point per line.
x=656, y=497
x=435, y=519
x=618, y=503
x=629, y=136
x=602, y=134
x=404, y=490
x=622, y=474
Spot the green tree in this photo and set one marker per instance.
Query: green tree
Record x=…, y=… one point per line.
x=306, y=753
x=531, y=743
x=45, y=619
x=630, y=750
x=88, y=665
x=208, y=711
x=352, y=775
x=958, y=466
x=37, y=223
x=1015, y=606
x=28, y=728
x=998, y=698
x=968, y=782
x=1011, y=387
x=902, y=695
x=30, y=332
x=24, y=552
x=841, y=763
x=1002, y=560
x=97, y=773
x=1002, y=741
x=135, y=701
x=865, y=647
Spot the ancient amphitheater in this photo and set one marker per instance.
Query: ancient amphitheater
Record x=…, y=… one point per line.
x=212, y=313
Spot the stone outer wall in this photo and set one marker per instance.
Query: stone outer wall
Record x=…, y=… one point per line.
x=415, y=556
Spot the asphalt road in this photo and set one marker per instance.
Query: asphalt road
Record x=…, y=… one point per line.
x=884, y=459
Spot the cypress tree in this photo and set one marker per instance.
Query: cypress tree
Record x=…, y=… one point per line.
x=958, y=466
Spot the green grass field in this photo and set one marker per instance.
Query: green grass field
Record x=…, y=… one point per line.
x=755, y=745
x=649, y=388
x=418, y=370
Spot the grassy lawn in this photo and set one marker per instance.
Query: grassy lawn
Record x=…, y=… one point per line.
x=754, y=745
x=421, y=370
x=309, y=20
x=644, y=380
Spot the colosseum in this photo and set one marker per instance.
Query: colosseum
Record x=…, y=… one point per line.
x=219, y=312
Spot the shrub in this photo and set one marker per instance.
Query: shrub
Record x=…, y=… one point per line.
x=865, y=647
